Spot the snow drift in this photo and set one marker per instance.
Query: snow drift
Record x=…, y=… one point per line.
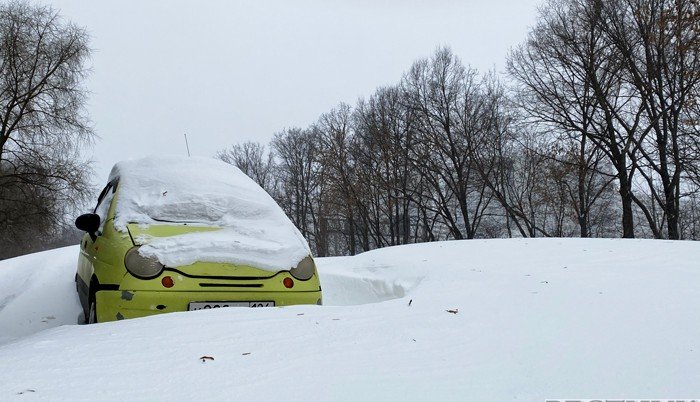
x=477, y=320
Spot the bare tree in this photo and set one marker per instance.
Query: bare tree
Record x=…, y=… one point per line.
x=43, y=123
x=621, y=75
x=448, y=105
x=300, y=179
x=571, y=79
x=253, y=160
x=336, y=137
x=384, y=127
x=657, y=42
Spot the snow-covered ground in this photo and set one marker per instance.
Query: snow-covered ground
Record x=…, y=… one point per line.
x=491, y=320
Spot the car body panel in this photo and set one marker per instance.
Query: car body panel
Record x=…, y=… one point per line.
x=103, y=258
x=140, y=233
x=122, y=304
x=213, y=280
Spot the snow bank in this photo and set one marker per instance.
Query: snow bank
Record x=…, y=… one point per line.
x=37, y=292
x=364, y=279
x=528, y=320
x=206, y=192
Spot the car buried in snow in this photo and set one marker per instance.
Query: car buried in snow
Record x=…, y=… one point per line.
x=174, y=234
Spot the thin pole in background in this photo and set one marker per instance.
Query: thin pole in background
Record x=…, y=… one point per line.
x=187, y=145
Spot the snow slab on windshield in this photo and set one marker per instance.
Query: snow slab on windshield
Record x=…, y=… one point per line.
x=205, y=192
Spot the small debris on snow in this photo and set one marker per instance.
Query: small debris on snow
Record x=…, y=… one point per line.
x=246, y=354
x=409, y=302
x=26, y=390
x=205, y=358
x=300, y=314
x=544, y=282
x=455, y=311
x=336, y=319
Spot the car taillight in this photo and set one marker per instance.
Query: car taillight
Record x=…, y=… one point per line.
x=140, y=266
x=167, y=282
x=304, y=270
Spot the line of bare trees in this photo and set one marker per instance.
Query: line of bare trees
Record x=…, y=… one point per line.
x=593, y=131
x=620, y=78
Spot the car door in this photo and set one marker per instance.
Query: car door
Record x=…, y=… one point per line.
x=89, y=246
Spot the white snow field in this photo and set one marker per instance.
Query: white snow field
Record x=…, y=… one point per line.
x=530, y=319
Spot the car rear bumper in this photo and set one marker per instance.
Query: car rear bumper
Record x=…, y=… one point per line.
x=121, y=304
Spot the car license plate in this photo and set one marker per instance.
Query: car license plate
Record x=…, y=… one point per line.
x=209, y=305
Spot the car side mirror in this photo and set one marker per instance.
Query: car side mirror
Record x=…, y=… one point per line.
x=88, y=223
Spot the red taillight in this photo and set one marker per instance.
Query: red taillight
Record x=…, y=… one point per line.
x=288, y=283
x=167, y=282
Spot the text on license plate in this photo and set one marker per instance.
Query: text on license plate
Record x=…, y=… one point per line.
x=209, y=305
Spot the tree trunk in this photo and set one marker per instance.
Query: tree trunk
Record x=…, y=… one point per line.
x=626, y=198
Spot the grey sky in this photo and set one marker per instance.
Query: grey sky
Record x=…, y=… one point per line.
x=228, y=71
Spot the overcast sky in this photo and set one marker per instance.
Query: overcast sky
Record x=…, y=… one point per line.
x=229, y=71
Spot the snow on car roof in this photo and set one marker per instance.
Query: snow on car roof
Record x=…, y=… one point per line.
x=205, y=192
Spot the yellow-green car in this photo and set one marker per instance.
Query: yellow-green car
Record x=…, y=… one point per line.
x=177, y=234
